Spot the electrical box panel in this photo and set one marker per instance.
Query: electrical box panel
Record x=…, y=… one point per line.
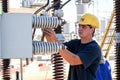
x=16, y=35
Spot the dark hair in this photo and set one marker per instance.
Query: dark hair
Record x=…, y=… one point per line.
x=94, y=30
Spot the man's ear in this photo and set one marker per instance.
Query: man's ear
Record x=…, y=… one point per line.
x=93, y=30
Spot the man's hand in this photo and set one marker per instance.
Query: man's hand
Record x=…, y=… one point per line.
x=50, y=35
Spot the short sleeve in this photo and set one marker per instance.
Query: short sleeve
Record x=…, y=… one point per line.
x=71, y=45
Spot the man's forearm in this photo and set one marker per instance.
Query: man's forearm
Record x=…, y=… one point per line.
x=70, y=57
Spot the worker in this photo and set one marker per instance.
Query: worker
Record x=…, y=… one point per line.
x=82, y=54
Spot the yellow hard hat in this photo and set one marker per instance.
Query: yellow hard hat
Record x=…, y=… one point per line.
x=89, y=19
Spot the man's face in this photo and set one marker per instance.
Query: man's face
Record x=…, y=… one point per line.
x=85, y=31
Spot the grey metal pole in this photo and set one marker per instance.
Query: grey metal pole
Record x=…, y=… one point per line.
x=21, y=69
x=17, y=75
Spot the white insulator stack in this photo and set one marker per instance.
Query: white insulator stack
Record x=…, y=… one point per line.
x=40, y=47
x=46, y=21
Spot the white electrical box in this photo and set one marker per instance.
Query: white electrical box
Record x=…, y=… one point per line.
x=0, y=35
x=16, y=35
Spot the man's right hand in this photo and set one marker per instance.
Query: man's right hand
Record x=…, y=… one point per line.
x=50, y=35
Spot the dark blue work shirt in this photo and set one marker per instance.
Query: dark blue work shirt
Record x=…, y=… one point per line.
x=90, y=54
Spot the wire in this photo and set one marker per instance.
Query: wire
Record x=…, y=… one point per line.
x=36, y=12
x=65, y=3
